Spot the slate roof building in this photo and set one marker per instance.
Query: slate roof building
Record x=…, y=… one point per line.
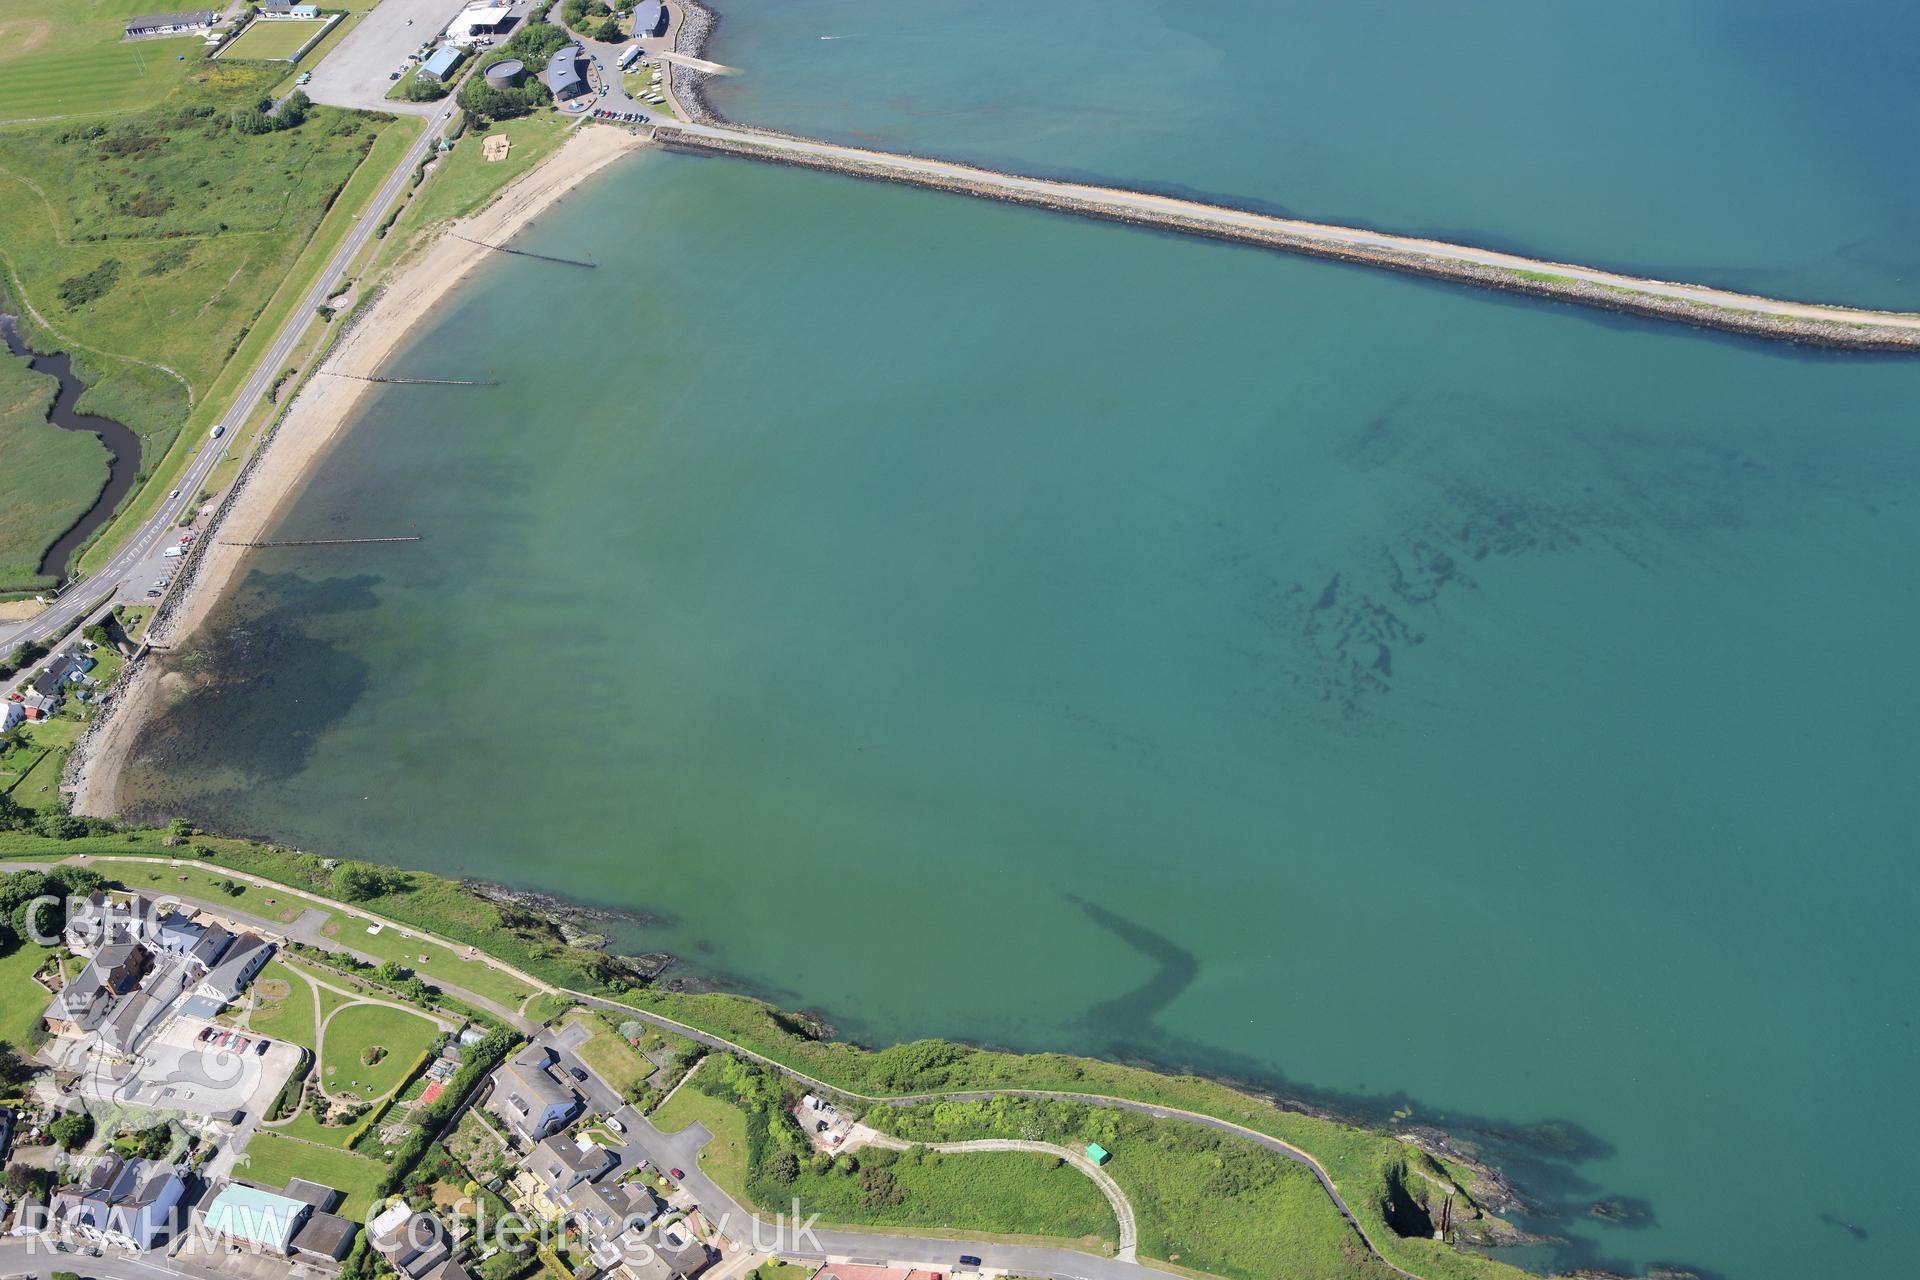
x=649, y=19
x=239, y=963
x=166, y=24
x=529, y=1098
x=125, y=1203
x=565, y=76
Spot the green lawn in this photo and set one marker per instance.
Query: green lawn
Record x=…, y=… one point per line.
x=53, y=476
x=20, y=1024
x=466, y=180
x=46, y=744
x=358, y=1028
x=283, y=1005
x=725, y=1158
x=439, y=963
x=67, y=57
x=1008, y=1193
x=274, y=39
x=1003, y=1192
x=613, y=1059
x=1215, y=1202
x=192, y=881
x=271, y=1160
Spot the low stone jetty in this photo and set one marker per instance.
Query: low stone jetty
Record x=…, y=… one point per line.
x=1702, y=306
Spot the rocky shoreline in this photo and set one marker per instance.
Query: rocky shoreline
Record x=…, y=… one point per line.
x=687, y=84
x=1835, y=333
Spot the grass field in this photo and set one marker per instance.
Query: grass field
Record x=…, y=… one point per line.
x=1007, y=1193
x=439, y=963
x=69, y=57
x=20, y=1024
x=287, y=1016
x=210, y=886
x=271, y=1160
x=388, y=147
x=148, y=245
x=612, y=1059
x=52, y=475
x=274, y=39
x=725, y=1158
x=45, y=746
x=466, y=180
x=359, y=1028
x=1213, y=1201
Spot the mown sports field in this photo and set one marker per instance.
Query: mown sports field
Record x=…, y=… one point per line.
x=274, y=39
x=63, y=58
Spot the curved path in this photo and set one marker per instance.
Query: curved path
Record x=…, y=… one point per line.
x=1664, y=299
x=1064, y=1264
x=1116, y=1198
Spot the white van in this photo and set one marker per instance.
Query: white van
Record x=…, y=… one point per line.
x=174, y=553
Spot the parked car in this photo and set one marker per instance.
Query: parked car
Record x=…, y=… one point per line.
x=260, y=1047
x=678, y=1176
x=206, y=1033
x=614, y=1124
x=577, y=1073
x=969, y=1260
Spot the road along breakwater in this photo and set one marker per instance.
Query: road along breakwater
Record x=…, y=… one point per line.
x=1702, y=306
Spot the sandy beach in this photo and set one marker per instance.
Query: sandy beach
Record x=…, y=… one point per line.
x=315, y=419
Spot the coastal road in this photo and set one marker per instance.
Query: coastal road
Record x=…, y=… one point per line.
x=1901, y=327
x=140, y=559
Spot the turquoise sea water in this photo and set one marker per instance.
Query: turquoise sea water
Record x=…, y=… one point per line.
x=968, y=621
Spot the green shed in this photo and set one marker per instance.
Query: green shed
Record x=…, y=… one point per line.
x=1097, y=1153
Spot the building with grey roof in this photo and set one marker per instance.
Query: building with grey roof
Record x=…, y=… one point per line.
x=649, y=19
x=324, y=1237
x=185, y=22
x=239, y=964
x=121, y=1202
x=529, y=1098
x=566, y=75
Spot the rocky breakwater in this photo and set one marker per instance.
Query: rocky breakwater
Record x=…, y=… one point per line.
x=688, y=85
x=1695, y=305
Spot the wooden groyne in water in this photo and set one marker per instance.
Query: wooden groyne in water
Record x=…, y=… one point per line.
x=526, y=253
x=1701, y=306
x=413, y=382
x=321, y=542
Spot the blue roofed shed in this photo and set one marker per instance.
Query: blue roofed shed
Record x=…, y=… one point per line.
x=440, y=63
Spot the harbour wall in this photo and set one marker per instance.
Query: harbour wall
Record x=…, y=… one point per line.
x=1838, y=328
